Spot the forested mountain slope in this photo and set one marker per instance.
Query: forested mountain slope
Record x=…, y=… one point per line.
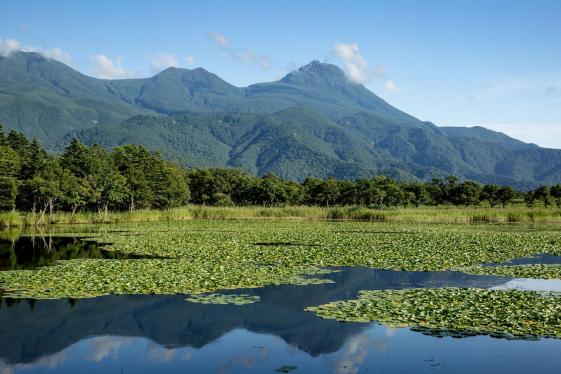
x=314, y=121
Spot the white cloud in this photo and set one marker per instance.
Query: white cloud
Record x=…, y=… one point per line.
x=106, y=68
x=391, y=87
x=162, y=61
x=265, y=63
x=57, y=54
x=222, y=40
x=244, y=55
x=356, y=67
x=292, y=66
x=8, y=46
x=381, y=71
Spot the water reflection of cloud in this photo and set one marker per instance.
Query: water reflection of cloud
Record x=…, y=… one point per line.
x=186, y=356
x=356, y=349
x=527, y=284
x=354, y=353
x=104, y=346
x=160, y=354
x=246, y=361
x=50, y=362
x=390, y=332
x=98, y=349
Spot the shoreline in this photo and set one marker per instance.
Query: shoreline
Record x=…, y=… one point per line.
x=445, y=214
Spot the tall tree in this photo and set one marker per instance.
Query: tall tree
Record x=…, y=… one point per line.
x=3, y=140
x=76, y=192
x=272, y=191
x=491, y=194
x=36, y=161
x=505, y=195
x=74, y=158
x=10, y=162
x=140, y=169
x=8, y=192
x=108, y=186
x=419, y=194
x=555, y=192
x=47, y=186
x=542, y=193
x=467, y=193
x=172, y=188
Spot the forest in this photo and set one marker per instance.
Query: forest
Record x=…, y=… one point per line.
x=129, y=177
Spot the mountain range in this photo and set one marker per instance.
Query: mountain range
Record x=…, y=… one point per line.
x=312, y=122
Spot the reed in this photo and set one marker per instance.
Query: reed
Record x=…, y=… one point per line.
x=422, y=214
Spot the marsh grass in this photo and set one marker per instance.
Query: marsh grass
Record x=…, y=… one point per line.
x=422, y=215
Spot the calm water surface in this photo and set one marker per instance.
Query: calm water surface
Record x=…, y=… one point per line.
x=138, y=334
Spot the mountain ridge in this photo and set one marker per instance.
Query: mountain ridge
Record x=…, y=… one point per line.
x=313, y=121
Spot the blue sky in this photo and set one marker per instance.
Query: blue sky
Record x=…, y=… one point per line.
x=494, y=63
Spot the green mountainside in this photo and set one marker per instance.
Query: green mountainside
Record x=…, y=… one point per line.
x=314, y=121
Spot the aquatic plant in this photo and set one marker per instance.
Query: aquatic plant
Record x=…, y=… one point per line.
x=536, y=271
x=224, y=299
x=91, y=278
x=503, y=313
x=207, y=256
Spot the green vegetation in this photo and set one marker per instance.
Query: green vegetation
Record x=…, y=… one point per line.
x=198, y=257
x=206, y=256
x=87, y=182
x=91, y=278
x=224, y=299
x=542, y=271
x=311, y=147
x=198, y=212
x=478, y=311
x=312, y=122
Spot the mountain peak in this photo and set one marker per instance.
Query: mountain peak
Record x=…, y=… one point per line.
x=315, y=71
x=190, y=75
x=321, y=68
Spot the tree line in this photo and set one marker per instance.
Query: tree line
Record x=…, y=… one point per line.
x=130, y=177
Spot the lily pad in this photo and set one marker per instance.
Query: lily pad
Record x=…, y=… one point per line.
x=479, y=311
x=224, y=299
x=286, y=369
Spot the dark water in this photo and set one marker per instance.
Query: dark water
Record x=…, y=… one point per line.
x=32, y=252
x=138, y=334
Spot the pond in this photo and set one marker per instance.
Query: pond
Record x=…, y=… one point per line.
x=30, y=252
x=154, y=333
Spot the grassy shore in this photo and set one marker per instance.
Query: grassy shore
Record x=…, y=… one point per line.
x=423, y=214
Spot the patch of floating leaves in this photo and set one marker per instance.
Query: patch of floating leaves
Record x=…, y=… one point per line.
x=507, y=313
x=420, y=248
x=206, y=256
x=536, y=271
x=91, y=278
x=224, y=299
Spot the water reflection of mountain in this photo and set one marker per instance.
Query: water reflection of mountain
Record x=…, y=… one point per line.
x=31, y=329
